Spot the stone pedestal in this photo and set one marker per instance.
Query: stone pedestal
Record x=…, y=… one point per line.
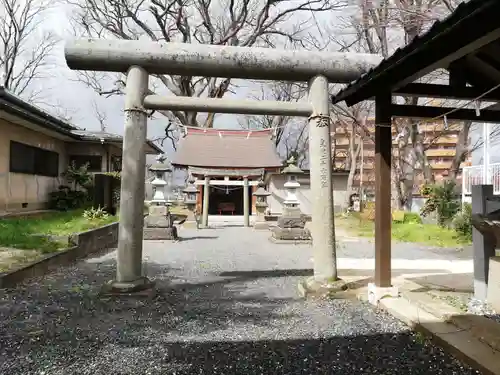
x=291, y=228
x=191, y=221
x=261, y=205
x=291, y=225
x=493, y=296
x=485, y=235
x=260, y=219
x=159, y=224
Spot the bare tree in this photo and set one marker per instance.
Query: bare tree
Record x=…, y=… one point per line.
x=100, y=116
x=224, y=22
x=295, y=142
x=380, y=28
x=354, y=122
x=289, y=133
x=24, y=59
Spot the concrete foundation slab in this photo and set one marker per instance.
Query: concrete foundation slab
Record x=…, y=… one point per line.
x=261, y=226
x=314, y=289
x=290, y=242
x=160, y=233
x=142, y=287
x=190, y=224
x=375, y=293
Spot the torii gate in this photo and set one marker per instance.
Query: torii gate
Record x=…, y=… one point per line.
x=139, y=59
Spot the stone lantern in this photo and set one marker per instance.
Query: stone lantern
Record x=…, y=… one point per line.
x=291, y=224
x=291, y=202
x=261, y=195
x=159, y=223
x=160, y=170
x=191, y=193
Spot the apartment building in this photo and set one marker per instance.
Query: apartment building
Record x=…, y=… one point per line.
x=440, y=149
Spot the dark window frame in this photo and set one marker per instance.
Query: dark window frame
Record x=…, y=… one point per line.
x=32, y=160
x=94, y=161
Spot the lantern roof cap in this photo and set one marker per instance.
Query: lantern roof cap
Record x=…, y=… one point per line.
x=291, y=167
x=161, y=164
x=190, y=188
x=261, y=191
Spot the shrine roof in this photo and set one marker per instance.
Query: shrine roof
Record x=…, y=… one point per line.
x=226, y=148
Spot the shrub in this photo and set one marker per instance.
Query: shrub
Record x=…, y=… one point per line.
x=412, y=218
x=95, y=213
x=65, y=198
x=441, y=200
x=68, y=198
x=398, y=216
x=462, y=223
x=78, y=176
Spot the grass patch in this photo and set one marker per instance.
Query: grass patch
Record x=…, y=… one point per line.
x=21, y=232
x=427, y=234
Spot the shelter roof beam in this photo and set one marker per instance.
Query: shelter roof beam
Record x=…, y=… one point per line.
x=427, y=90
x=428, y=112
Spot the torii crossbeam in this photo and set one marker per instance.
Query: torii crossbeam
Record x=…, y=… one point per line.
x=139, y=59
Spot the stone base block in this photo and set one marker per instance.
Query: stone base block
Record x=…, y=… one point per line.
x=291, y=212
x=155, y=210
x=157, y=221
x=375, y=293
x=291, y=234
x=261, y=225
x=142, y=287
x=317, y=289
x=160, y=233
x=293, y=222
x=190, y=224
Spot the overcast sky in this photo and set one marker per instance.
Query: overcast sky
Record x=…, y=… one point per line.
x=77, y=99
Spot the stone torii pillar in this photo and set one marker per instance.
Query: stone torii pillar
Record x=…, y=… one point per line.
x=139, y=57
x=246, y=202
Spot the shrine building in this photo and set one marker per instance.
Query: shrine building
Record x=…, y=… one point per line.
x=227, y=166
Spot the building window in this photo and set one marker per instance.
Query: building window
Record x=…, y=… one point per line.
x=33, y=160
x=93, y=162
x=116, y=163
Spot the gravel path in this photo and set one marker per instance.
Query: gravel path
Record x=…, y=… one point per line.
x=227, y=304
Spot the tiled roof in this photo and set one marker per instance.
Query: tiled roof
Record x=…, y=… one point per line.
x=221, y=148
x=13, y=104
x=89, y=135
x=481, y=13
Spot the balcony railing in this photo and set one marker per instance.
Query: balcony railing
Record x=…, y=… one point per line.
x=473, y=175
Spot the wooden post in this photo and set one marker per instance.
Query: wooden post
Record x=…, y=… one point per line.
x=383, y=217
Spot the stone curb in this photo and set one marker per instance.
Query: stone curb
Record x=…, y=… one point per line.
x=462, y=343
x=82, y=245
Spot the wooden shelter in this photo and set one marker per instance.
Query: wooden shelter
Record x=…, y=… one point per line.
x=467, y=45
x=227, y=165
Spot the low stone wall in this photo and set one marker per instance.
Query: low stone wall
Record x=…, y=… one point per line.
x=81, y=245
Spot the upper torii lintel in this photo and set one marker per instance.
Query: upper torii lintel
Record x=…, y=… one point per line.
x=217, y=61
